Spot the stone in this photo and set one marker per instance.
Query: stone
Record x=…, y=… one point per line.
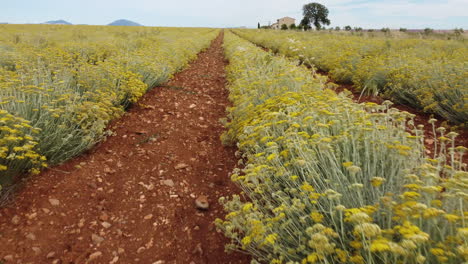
x=50, y=255
x=148, y=217
x=114, y=260
x=8, y=258
x=202, y=202
x=36, y=250
x=140, y=250
x=15, y=220
x=96, y=239
x=31, y=236
x=95, y=255
x=31, y=216
x=106, y=224
x=120, y=250
x=54, y=202
x=181, y=166
x=169, y=183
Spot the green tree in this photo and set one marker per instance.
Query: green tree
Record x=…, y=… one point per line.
x=337, y=28
x=458, y=31
x=347, y=28
x=317, y=14
x=428, y=31
x=258, y=26
x=284, y=27
x=385, y=30
x=292, y=26
x=305, y=24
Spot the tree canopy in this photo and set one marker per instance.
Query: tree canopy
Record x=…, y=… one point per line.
x=316, y=14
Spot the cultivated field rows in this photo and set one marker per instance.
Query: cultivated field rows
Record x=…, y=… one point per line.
x=322, y=179
x=427, y=74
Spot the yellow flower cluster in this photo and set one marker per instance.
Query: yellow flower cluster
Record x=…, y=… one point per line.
x=428, y=74
x=60, y=86
x=327, y=180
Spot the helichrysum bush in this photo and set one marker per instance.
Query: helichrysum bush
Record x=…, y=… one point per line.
x=429, y=74
x=326, y=180
x=60, y=86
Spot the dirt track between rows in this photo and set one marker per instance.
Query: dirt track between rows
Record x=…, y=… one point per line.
x=131, y=199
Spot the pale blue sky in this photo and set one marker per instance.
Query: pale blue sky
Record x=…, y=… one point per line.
x=231, y=13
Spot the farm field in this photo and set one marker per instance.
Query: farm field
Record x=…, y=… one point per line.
x=427, y=74
x=59, y=88
x=168, y=145
x=332, y=181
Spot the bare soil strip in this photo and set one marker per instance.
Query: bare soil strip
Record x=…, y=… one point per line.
x=132, y=198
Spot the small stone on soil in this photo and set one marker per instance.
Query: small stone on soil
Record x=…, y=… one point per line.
x=15, y=220
x=148, y=217
x=181, y=166
x=106, y=224
x=169, y=183
x=36, y=250
x=202, y=202
x=95, y=255
x=140, y=250
x=96, y=239
x=31, y=236
x=54, y=202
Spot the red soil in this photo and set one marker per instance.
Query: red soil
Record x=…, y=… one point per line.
x=131, y=198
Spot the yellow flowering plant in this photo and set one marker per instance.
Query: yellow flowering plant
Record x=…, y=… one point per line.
x=428, y=74
x=327, y=180
x=67, y=83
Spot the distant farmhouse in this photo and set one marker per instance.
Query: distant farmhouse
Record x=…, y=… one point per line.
x=288, y=21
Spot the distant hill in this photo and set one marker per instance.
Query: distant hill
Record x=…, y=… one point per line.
x=58, y=22
x=124, y=22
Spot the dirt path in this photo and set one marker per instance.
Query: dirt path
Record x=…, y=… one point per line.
x=131, y=199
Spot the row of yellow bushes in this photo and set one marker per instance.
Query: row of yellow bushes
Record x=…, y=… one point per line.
x=428, y=74
x=61, y=85
x=326, y=180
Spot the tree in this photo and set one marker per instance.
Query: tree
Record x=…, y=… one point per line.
x=458, y=31
x=284, y=27
x=305, y=24
x=337, y=28
x=292, y=26
x=317, y=14
x=347, y=28
x=258, y=26
x=428, y=31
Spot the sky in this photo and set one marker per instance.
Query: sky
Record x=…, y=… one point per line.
x=376, y=14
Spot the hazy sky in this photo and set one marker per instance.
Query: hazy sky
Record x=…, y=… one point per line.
x=231, y=13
